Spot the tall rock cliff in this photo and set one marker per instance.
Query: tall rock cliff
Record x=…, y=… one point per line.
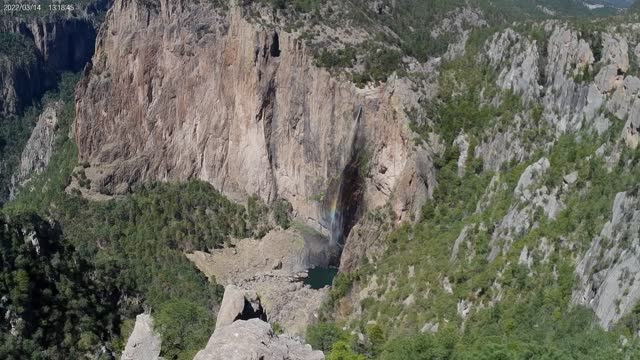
x=41, y=47
x=20, y=75
x=38, y=150
x=184, y=90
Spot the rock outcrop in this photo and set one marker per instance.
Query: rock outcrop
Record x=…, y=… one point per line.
x=611, y=267
x=239, y=304
x=143, y=343
x=517, y=58
x=181, y=91
x=242, y=333
x=266, y=276
x=65, y=43
x=45, y=46
x=529, y=197
x=254, y=340
x=289, y=251
x=38, y=150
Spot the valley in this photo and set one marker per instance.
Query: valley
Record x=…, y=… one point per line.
x=314, y=179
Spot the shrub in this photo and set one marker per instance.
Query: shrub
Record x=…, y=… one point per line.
x=282, y=213
x=322, y=336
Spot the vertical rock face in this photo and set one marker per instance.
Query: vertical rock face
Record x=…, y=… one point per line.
x=65, y=44
x=143, y=343
x=38, y=150
x=52, y=44
x=181, y=91
x=238, y=304
x=242, y=333
x=517, y=57
x=572, y=87
x=19, y=81
x=609, y=269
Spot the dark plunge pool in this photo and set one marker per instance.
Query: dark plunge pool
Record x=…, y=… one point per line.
x=320, y=277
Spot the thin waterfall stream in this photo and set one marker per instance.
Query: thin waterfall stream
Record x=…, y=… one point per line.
x=342, y=210
x=337, y=208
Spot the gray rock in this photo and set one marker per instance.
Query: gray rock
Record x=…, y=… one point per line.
x=254, y=340
x=143, y=343
x=525, y=258
x=38, y=150
x=247, y=275
x=530, y=198
x=609, y=271
x=456, y=246
x=236, y=304
x=532, y=174
x=516, y=59
x=430, y=327
x=462, y=142
x=571, y=178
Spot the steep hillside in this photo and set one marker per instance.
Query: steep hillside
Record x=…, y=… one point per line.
x=533, y=216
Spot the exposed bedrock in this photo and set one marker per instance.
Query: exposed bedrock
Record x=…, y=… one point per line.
x=254, y=339
x=38, y=150
x=264, y=277
x=182, y=91
x=608, y=270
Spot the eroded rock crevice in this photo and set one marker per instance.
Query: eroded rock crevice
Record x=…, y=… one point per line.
x=347, y=205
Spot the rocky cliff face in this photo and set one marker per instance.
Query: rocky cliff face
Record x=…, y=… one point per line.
x=21, y=79
x=610, y=268
x=181, y=91
x=144, y=343
x=38, y=150
x=243, y=333
x=54, y=44
x=578, y=94
x=64, y=43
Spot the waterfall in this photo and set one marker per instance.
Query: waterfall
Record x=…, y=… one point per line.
x=336, y=210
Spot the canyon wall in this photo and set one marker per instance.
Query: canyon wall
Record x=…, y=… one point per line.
x=41, y=48
x=181, y=90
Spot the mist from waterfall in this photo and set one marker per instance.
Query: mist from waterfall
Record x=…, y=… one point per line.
x=336, y=213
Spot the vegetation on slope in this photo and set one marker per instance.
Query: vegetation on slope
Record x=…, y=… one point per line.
x=16, y=49
x=56, y=303
x=519, y=311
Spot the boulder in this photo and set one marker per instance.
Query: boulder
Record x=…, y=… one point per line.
x=239, y=304
x=143, y=343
